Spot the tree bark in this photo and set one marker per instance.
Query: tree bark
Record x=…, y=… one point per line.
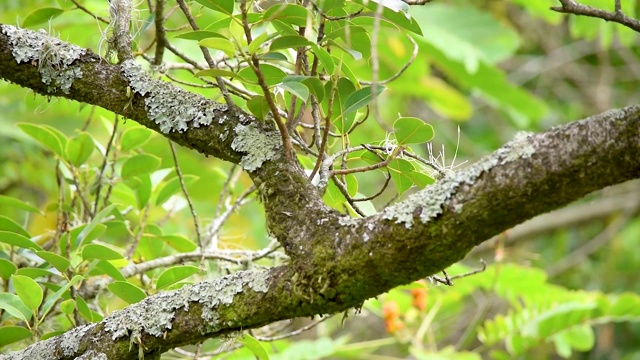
x=336, y=262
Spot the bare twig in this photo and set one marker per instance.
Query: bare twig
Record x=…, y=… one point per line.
x=575, y=8
x=161, y=36
x=186, y=195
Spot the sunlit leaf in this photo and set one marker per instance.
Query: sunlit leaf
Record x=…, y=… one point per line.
x=134, y=137
x=97, y=251
x=10, y=334
x=223, y=6
x=28, y=291
x=221, y=44
x=127, y=291
x=57, y=261
x=140, y=164
x=40, y=16
x=46, y=136
x=254, y=346
x=18, y=240
x=411, y=130
x=174, y=274
x=172, y=186
x=79, y=149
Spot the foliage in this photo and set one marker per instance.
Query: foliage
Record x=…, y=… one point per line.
x=96, y=213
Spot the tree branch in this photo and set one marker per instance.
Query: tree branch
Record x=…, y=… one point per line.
x=575, y=8
x=336, y=262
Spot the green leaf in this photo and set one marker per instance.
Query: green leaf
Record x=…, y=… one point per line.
x=139, y=165
x=141, y=186
x=288, y=13
x=79, y=149
x=13, y=305
x=174, y=274
x=289, y=42
x=87, y=234
x=223, y=6
x=297, y=89
x=315, y=87
x=7, y=268
x=254, y=346
x=399, y=170
x=9, y=201
x=48, y=305
x=199, y=35
x=18, y=240
x=169, y=188
x=57, y=261
x=68, y=306
x=180, y=243
x=272, y=75
x=34, y=273
x=257, y=42
x=45, y=136
x=258, y=106
x=10, y=334
x=28, y=291
x=400, y=19
x=134, y=137
x=52, y=334
x=84, y=310
x=223, y=45
x=7, y=224
x=361, y=98
x=110, y=270
x=411, y=130
x=127, y=291
x=344, y=89
x=40, y=16
x=467, y=35
x=325, y=58
x=96, y=251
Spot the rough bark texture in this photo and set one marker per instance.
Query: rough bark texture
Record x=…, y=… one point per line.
x=336, y=262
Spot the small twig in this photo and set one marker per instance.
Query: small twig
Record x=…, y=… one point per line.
x=575, y=8
x=345, y=192
x=136, y=239
x=290, y=334
x=404, y=67
x=327, y=126
x=449, y=280
x=104, y=164
x=186, y=195
x=80, y=7
x=161, y=36
x=369, y=167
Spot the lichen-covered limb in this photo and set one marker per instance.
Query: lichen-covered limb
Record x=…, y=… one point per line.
x=52, y=67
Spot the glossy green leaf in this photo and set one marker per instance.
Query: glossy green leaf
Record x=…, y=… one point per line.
x=14, y=306
x=41, y=16
x=399, y=18
x=325, y=58
x=361, y=98
x=199, y=35
x=13, y=202
x=110, y=270
x=134, y=137
x=180, y=243
x=254, y=346
x=174, y=274
x=289, y=42
x=45, y=136
x=344, y=89
x=14, y=239
x=292, y=14
x=10, y=334
x=272, y=75
x=96, y=251
x=57, y=261
x=142, y=190
x=400, y=170
x=255, y=45
x=28, y=291
x=411, y=130
x=7, y=268
x=295, y=88
x=221, y=44
x=172, y=186
x=258, y=106
x=7, y=224
x=127, y=291
x=223, y=6
x=139, y=164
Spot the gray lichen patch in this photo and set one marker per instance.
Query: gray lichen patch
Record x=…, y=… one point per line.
x=258, y=146
x=53, y=57
x=71, y=340
x=169, y=106
x=155, y=315
x=429, y=202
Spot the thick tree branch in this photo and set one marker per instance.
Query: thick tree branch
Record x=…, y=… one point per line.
x=336, y=262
